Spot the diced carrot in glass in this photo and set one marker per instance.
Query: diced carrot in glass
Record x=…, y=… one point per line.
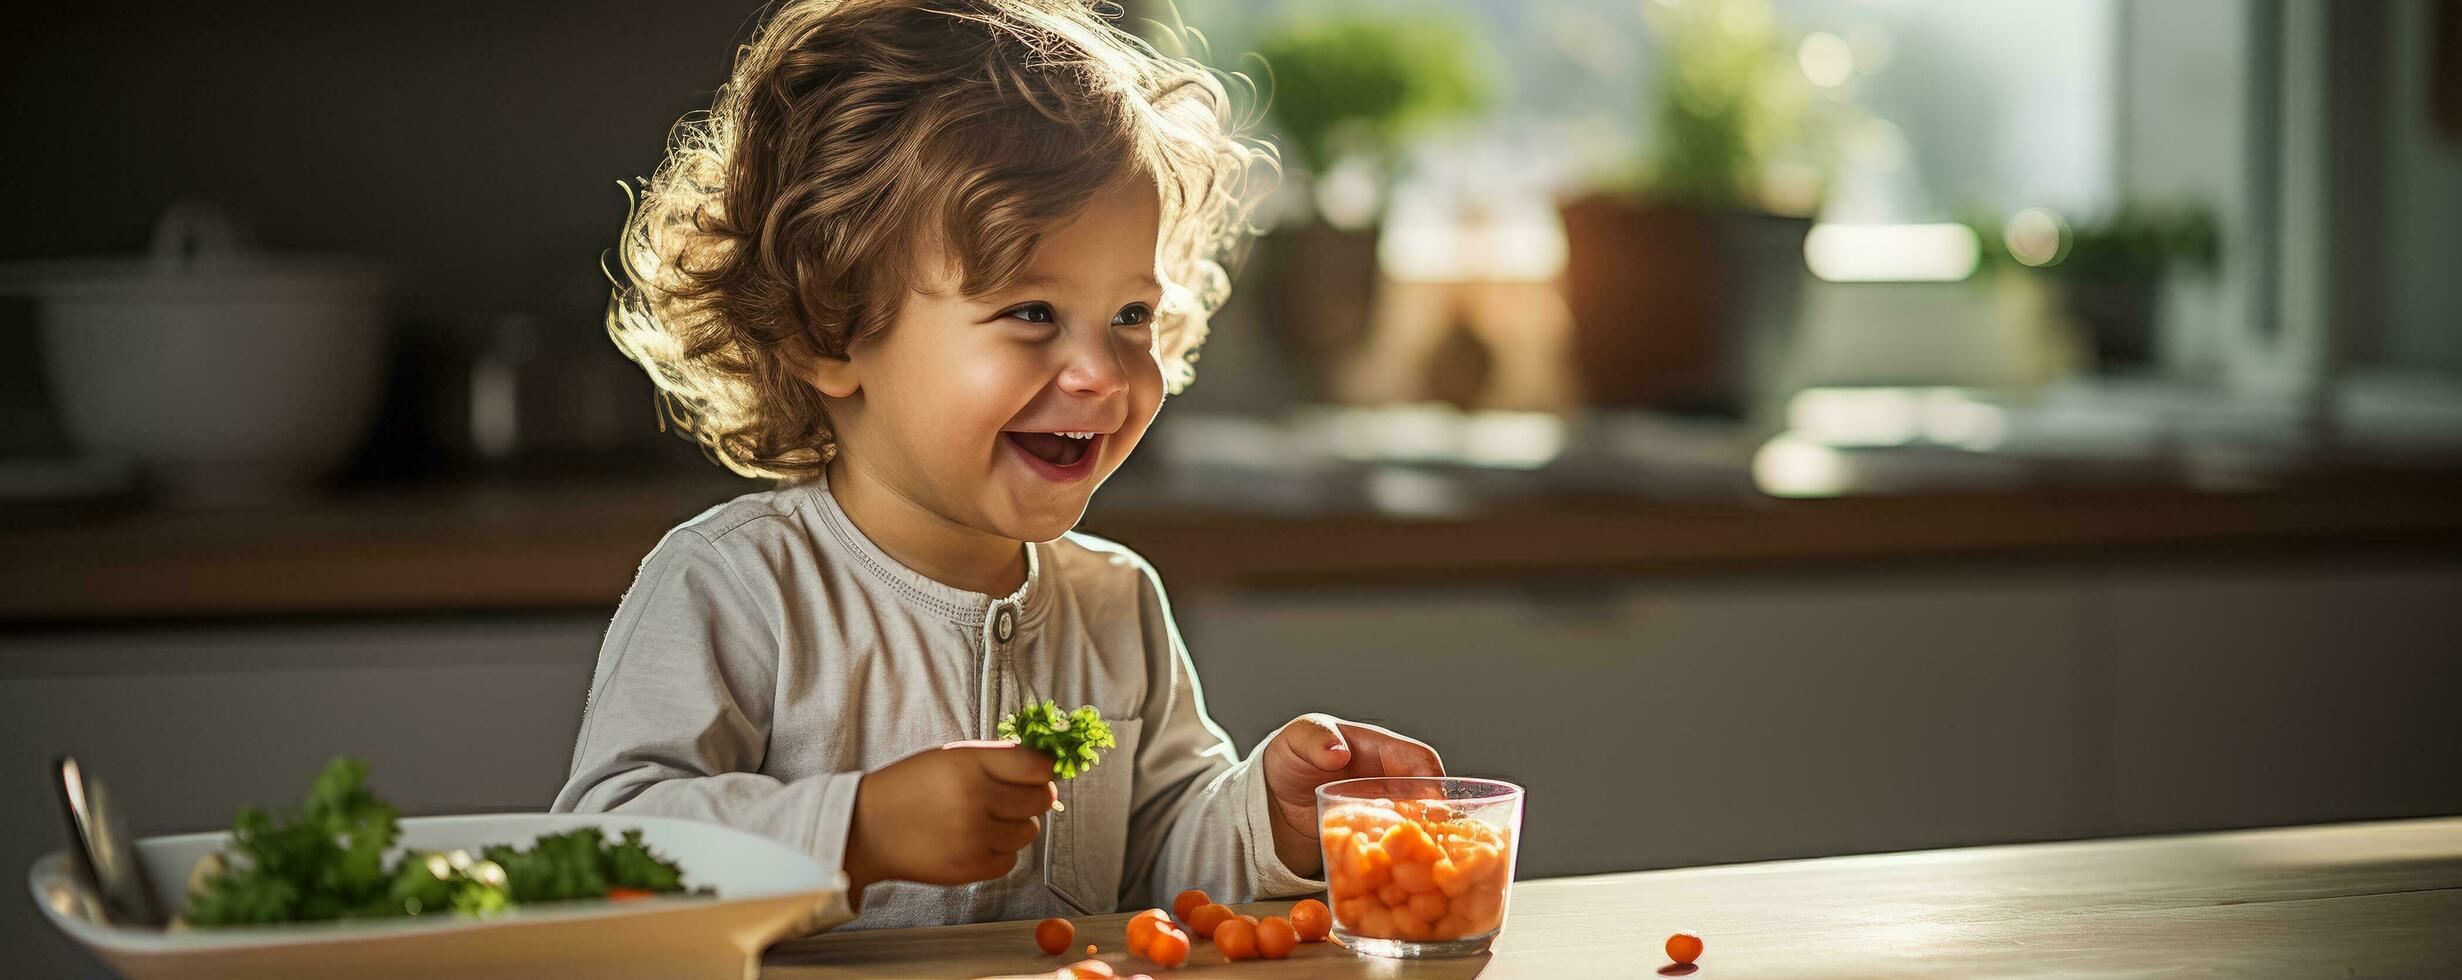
x=1373, y=868
x=1449, y=927
x=1478, y=862
x=1448, y=877
x=1409, y=842
x=1408, y=925
x=1393, y=894
x=1377, y=923
x=1342, y=885
x=1414, y=876
x=1354, y=909
x=1428, y=905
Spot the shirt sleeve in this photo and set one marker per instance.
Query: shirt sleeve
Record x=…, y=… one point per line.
x=679, y=712
x=1201, y=816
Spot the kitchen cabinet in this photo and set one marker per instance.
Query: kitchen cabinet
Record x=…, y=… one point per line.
x=1658, y=720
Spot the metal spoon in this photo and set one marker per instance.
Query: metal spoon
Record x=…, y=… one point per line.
x=103, y=850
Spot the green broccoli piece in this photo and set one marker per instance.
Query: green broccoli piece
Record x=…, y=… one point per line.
x=1070, y=739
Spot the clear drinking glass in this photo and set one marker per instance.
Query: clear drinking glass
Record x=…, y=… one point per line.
x=1419, y=865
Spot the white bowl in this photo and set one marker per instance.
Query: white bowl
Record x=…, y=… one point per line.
x=227, y=375
x=766, y=892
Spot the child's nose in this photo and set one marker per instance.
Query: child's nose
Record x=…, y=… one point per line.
x=1093, y=369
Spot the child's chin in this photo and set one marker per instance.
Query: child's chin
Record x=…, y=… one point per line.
x=1045, y=522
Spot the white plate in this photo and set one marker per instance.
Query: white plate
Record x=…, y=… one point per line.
x=766, y=892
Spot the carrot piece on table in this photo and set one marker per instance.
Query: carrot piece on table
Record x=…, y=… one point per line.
x=1236, y=938
x=1141, y=929
x=1276, y=938
x=1168, y=948
x=1188, y=902
x=628, y=894
x=1054, y=935
x=1312, y=920
x=1088, y=970
x=1684, y=947
x=1203, y=918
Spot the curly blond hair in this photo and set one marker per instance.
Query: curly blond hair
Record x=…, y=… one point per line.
x=853, y=136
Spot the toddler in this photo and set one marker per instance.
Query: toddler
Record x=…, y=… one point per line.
x=932, y=266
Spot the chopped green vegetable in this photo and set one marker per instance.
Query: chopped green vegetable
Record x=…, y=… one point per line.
x=1070, y=739
x=324, y=862
x=584, y=864
x=327, y=862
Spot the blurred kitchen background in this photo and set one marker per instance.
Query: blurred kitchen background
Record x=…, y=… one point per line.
x=1764, y=429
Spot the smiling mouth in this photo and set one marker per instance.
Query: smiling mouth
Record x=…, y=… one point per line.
x=1058, y=450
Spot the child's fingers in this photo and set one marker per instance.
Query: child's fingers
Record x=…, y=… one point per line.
x=1393, y=755
x=1317, y=741
x=1010, y=762
x=1010, y=801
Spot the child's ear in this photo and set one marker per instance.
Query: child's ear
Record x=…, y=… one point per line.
x=834, y=376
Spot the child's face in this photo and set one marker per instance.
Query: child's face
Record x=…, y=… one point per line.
x=958, y=405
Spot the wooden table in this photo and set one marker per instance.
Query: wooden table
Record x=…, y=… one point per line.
x=2369, y=900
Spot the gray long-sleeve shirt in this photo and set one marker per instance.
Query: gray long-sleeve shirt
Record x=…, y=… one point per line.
x=768, y=655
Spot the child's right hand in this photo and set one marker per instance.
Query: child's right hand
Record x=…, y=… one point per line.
x=948, y=816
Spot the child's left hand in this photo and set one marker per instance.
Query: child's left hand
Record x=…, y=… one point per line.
x=1317, y=749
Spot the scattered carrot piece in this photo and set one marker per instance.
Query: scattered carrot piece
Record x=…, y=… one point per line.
x=1169, y=947
x=1141, y=929
x=1088, y=970
x=1684, y=947
x=628, y=894
x=1054, y=935
x=1188, y=902
x=1312, y=920
x=1276, y=938
x=1202, y=919
x=1236, y=938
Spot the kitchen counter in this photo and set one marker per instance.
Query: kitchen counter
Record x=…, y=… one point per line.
x=2372, y=899
x=574, y=545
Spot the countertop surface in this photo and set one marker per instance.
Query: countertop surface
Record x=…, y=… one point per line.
x=2372, y=899
x=575, y=544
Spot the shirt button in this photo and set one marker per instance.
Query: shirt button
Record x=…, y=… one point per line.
x=1004, y=625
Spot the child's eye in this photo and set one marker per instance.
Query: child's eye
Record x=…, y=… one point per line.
x=1032, y=313
x=1134, y=316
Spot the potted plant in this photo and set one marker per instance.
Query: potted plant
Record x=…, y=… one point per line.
x=1680, y=273
x=2107, y=274
x=1347, y=94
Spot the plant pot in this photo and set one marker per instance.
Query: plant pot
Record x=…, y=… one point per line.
x=1677, y=307
x=2116, y=316
x=1317, y=286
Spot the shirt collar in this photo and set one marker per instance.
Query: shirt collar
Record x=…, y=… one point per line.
x=965, y=608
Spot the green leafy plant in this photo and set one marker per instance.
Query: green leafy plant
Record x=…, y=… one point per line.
x=1069, y=738
x=1361, y=84
x=1734, y=109
x=326, y=861
x=2136, y=241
